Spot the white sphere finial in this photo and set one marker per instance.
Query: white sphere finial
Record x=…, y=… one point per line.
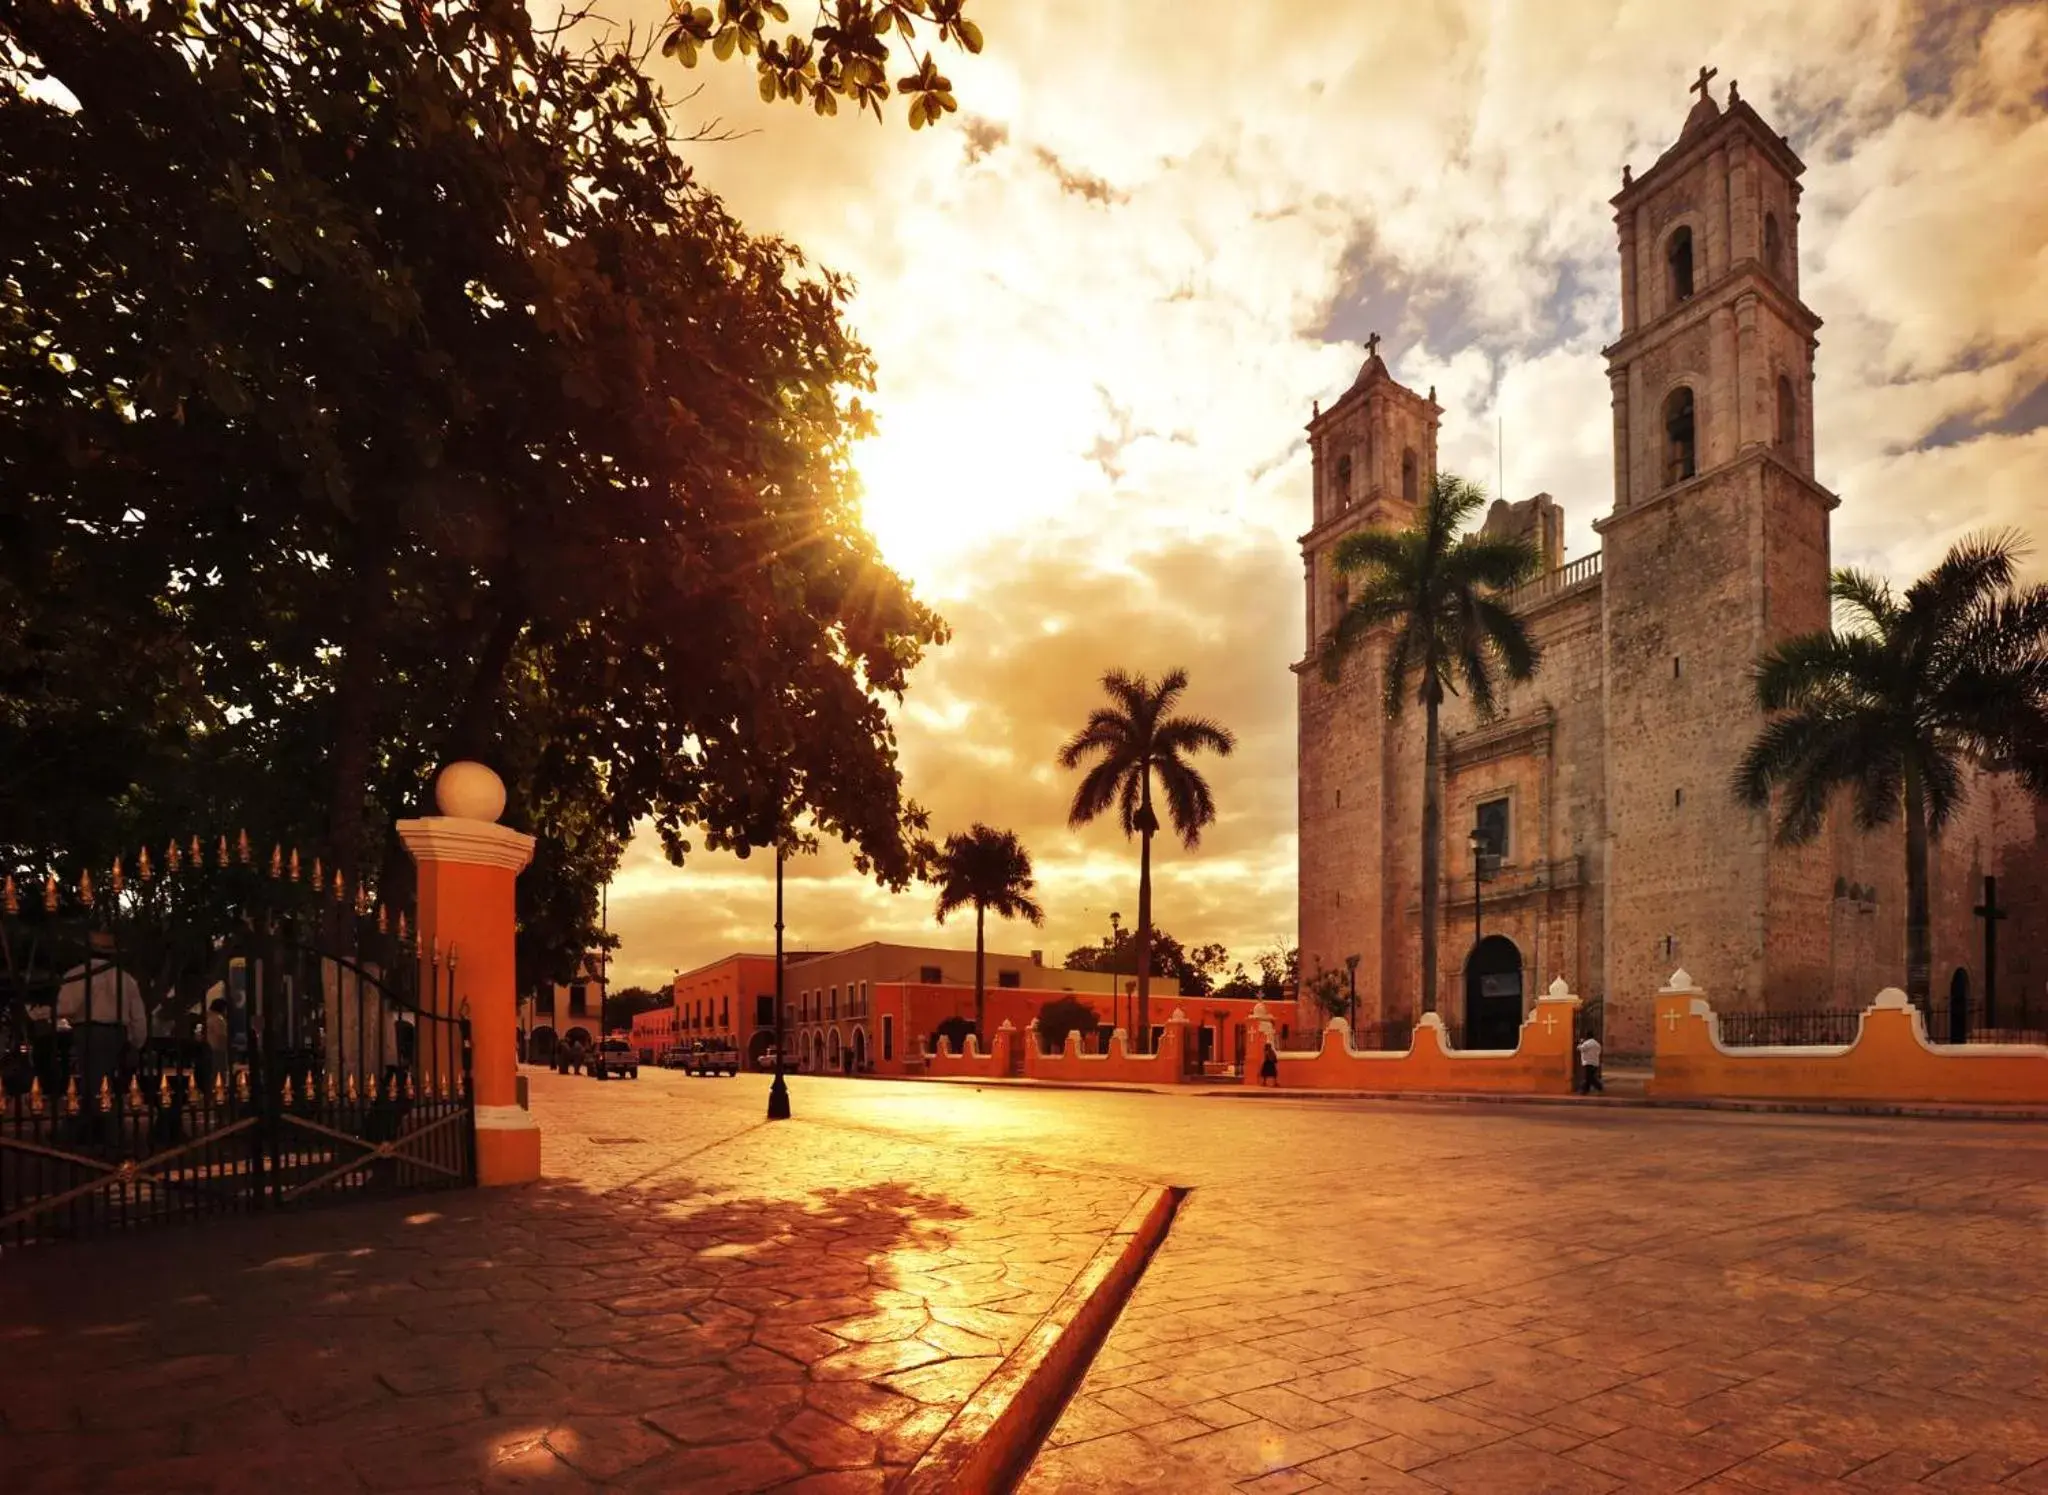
x=466, y=790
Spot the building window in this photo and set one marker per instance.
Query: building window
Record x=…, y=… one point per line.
x=1411, y=476
x=1678, y=256
x=1680, y=444
x=888, y=1036
x=1344, y=481
x=579, y=1000
x=1774, y=246
x=930, y=975
x=833, y=1010
x=1677, y=798
x=1674, y=667
x=1788, y=413
x=1490, y=825
x=725, y=1012
x=764, y=1010
x=1009, y=978
x=863, y=999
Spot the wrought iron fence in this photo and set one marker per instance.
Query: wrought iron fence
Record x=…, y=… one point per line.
x=1398, y=1034
x=1839, y=1029
x=210, y=1039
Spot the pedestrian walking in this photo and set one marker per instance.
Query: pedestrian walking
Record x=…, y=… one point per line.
x=1269, y=1067
x=1589, y=1067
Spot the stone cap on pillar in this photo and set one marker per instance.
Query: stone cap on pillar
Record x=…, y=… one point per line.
x=471, y=798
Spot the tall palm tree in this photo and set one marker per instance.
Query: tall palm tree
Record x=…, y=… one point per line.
x=1433, y=595
x=1132, y=739
x=1889, y=702
x=990, y=870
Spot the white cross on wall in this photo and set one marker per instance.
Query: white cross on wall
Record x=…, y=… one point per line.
x=1550, y=1022
x=1671, y=1020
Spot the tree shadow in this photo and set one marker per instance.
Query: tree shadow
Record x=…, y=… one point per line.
x=550, y=1335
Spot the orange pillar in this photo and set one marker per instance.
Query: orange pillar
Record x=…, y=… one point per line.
x=468, y=865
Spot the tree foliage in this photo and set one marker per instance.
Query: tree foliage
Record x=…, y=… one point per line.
x=988, y=871
x=1127, y=744
x=1432, y=596
x=1889, y=705
x=1195, y=970
x=1061, y=1016
x=378, y=387
x=846, y=54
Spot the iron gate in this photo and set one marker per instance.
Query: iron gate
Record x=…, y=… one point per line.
x=165, y=1058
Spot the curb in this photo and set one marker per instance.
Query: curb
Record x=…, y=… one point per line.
x=1927, y=1110
x=991, y=1440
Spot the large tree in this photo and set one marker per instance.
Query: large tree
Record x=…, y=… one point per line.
x=378, y=387
x=1432, y=597
x=1126, y=744
x=1888, y=705
x=1195, y=970
x=988, y=871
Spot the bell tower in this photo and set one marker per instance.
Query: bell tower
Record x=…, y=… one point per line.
x=1373, y=455
x=1716, y=548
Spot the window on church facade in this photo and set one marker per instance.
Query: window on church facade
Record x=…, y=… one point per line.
x=1678, y=254
x=1410, y=476
x=1490, y=825
x=1344, y=482
x=1788, y=413
x=1681, y=448
x=1774, y=246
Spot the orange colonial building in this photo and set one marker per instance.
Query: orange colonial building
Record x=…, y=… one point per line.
x=728, y=1001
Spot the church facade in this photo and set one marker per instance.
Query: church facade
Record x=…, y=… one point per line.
x=1610, y=847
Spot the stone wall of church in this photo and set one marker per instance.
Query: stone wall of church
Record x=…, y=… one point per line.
x=1360, y=854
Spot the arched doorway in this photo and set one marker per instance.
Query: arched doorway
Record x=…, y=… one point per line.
x=757, y=1049
x=860, y=1050
x=540, y=1046
x=1493, y=994
x=831, y=1048
x=1959, y=1006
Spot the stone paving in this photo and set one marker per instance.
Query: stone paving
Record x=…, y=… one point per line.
x=1356, y=1296
x=691, y=1300
x=1620, y=1301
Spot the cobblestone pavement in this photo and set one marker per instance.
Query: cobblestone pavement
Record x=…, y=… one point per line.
x=1356, y=1296
x=1501, y=1299
x=691, y=1300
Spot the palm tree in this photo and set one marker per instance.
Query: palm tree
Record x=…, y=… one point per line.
x=1433, y=595
x=1889, y=703
x=991, y=870
x=1131, y=739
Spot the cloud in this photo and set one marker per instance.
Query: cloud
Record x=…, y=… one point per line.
x=1103, y=298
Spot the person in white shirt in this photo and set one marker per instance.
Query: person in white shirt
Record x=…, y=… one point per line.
x=104, y=1007
x=1589, y=1067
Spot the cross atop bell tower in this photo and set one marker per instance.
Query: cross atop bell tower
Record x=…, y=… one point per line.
x=1715, y=358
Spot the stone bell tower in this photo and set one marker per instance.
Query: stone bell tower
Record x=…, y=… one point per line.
x=1717, y=548
x=1374, y=456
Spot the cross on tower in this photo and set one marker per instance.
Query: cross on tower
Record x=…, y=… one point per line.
x=1990, y=913
x=1700, y=87
x=1372, y=346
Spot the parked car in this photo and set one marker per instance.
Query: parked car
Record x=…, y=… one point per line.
x=614, y=1059
x=710, y=1057
x=677, y=1057
x=766, y=1063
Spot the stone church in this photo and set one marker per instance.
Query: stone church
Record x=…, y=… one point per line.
x=1610, y=848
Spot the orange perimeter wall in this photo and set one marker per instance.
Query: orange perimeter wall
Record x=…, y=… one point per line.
x=1540, y=1064
x=1891, y=1060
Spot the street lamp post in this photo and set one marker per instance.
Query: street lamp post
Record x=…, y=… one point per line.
x=778, y=1093
x=1116, y=936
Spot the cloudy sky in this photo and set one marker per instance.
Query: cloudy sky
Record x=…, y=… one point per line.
x=1104, y=295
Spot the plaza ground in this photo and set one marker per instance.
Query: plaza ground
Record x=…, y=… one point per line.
x=1355, y=1296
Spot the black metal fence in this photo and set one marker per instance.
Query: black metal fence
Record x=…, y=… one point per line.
x=182, y=1046
x=1396, y=1035
x=1840, y=1027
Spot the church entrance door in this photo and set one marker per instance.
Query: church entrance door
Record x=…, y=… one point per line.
x=1493, y=994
